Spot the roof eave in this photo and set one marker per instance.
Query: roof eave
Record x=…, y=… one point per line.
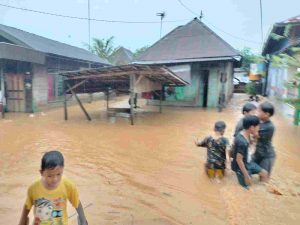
x=187, y=60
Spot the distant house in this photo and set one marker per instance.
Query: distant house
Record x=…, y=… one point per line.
x=29, y=65
x=276, y=44
x=199, y=56
x=121, y=56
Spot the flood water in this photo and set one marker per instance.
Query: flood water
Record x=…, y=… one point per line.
x=147, y=174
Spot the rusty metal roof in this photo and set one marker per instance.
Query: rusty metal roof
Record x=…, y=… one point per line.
x=118, y=77
x=274, y=46
x=295, y=19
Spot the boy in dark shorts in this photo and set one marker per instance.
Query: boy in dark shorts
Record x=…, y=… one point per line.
x=241, y=163
x=265, y=153
x=216, y=151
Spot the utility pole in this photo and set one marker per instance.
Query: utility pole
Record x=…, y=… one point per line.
x=89, y=23
x=261, y=22
x=162, y=16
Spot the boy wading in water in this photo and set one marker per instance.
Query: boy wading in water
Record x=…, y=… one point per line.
x=265, y=153
x=242, y=164
x=248, y=109
x=216, y=151
x=49, y=194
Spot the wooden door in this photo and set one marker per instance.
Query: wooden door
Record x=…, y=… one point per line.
x=15, y=92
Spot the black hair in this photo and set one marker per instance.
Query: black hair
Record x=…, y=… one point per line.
x=220, y=126
x=248, y=107
x=249, y=121
x=51, y=160
x=267, y=107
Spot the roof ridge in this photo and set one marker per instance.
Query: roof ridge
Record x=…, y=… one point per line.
x=194, y=28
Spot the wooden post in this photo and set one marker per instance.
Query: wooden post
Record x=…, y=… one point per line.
x=65, y=101
x=132, y=82
x=107, y=99
x=160, y=99
x=2, y=89
x=80, y=104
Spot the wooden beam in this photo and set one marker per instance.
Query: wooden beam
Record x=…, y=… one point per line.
x=132, y=81
x=138, y=80
x=76, y=85
x=116, y=74
x=65, y=102
x=160, y=99
x=107, y=99
x=2, y=90
x=80, y=104
x=65, y=107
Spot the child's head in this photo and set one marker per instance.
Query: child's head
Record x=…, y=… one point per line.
x=220, y=127
x=251, y=124
x=265, y=111
x=249, y=109
x=52, y=167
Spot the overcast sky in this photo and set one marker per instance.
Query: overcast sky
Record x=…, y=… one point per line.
x=236, y=21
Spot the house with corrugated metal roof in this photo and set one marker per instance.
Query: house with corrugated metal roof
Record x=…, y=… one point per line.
x=199, y=56
x=122, y=56
x=283, y=38
x=29, y=67
x=277, y=43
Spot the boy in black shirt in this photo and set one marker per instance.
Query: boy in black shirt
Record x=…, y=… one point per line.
x=248, y=109
x=241, y=163
x=265, y=154
x=216, y=151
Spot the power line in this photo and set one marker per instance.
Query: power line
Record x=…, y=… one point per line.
x=122, y=21
x=91, y=19
x=261, y=22
x=194, y=13
x=187, y=8
x=254, y=42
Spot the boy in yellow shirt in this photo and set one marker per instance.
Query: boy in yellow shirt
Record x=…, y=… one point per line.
x=49, y=194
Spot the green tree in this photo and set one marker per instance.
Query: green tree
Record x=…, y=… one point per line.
x=249, y=57
x=287, y=59
x=139, y=51
x=104, y=48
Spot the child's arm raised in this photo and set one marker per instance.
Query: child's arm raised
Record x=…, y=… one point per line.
x=24, y=220
x=201, y=143
x=81, y=216
x=239, y=160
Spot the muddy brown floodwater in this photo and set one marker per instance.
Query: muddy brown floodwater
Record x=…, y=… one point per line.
x=147, y=174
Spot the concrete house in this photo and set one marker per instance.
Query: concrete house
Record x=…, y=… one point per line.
x=199, y=56
x=29, y=66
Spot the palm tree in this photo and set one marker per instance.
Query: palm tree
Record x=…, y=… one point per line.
x=102, y=47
